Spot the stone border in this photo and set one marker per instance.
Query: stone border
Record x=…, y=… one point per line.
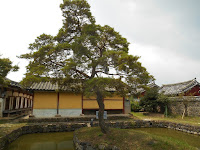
x=66, y=127
x=73, y=119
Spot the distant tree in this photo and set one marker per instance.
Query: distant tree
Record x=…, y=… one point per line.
x=5, y=67
x=82, y=51
x=152, y=100
x=149, y=100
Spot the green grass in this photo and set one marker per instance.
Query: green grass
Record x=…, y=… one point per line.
x=176, y=119
x=129, y=139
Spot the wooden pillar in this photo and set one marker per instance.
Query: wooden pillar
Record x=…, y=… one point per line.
x=17, y=102
x=22, y=102
x=19, y=99
x=12, y=99
x=1, y=107
x=25, y=106
x=9, y=107
x=123, y=104
x=58, y=96
x=32, y=103
x=28, y=102
x=82, y=103
x=11, y=103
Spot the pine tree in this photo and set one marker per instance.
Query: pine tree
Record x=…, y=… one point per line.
x=86, y=52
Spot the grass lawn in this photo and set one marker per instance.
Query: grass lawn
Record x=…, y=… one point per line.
x=176, y=119
x=128, y=139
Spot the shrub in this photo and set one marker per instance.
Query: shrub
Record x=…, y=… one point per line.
x=135, y=106
x=152, y=100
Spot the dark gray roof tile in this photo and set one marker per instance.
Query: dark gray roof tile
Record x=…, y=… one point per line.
x=178, y=88
x=48, y=86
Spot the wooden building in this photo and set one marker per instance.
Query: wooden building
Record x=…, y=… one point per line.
x=49, y=103
x=14, y=100
x=188, y=88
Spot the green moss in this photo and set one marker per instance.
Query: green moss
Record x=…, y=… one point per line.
x=133, y=124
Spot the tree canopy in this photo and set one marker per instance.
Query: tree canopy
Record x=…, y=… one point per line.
x=152, y=99
x=85, y=51
x=5, y=67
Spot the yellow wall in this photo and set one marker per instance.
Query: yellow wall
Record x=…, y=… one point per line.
x=114, y=97
x=70, y=101
x=45, y=100
x=110, y=103
x=113, y=104
x=92, y=97
x=90, y=104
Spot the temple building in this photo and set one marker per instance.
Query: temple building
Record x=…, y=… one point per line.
x=187, y=88
x=48, y=102
x=14, y=100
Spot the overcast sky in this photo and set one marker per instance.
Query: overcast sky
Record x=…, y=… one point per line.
x=165, y=33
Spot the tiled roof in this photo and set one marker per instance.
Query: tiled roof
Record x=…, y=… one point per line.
x=47, y=86
x=13, y=83
x=178, y=88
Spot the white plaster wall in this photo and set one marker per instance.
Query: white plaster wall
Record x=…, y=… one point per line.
x=70, y=112
x=44, y=112
x=41, y=113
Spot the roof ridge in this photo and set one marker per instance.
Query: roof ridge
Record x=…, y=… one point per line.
x=191, y=84
x=177, y=88
x=178, y=83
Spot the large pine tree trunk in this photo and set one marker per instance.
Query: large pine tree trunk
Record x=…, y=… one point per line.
x=104, y=128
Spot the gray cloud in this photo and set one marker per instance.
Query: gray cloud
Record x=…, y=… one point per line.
x=165, y=33
x=168, y=31
x=172, y=24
